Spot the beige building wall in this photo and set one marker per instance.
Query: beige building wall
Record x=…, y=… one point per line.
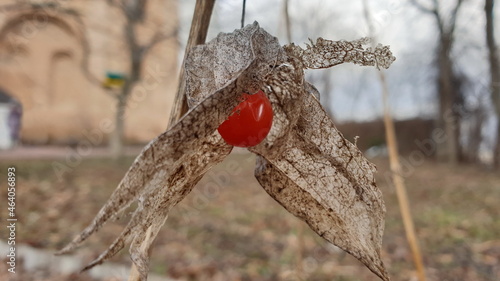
x=41, y=56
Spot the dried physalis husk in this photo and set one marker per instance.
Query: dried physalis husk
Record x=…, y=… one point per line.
x=304, y=163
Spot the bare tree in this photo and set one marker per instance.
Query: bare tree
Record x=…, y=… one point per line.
x=450, y=99
x=134, y=12
x=494, y=73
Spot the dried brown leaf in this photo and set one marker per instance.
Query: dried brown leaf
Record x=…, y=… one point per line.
x=163, y=174
x=327, y=53
x=168, y=168
x=324, y=179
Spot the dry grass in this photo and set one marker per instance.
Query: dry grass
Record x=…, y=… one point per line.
x=230, y=229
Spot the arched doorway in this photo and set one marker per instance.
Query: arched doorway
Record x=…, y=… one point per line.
x=40, y=59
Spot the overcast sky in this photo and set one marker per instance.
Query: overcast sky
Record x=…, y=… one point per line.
x=355, y=93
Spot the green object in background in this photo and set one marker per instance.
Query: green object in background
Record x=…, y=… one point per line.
x=114, y=80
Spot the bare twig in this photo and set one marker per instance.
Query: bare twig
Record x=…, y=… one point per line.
x=453, y=19
x=299, y=268
x=434, y=10
x=421, y=7
x=243, y=13
x=395, y=165
x=197, y=35
x=157, y=38
x=286, y=15
x=84, y=65
x=404, y=204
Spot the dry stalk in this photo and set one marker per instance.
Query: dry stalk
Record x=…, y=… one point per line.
x=197, y=35
x=390, y=135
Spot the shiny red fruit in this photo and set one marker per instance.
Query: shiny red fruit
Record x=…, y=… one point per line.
x=249, y=122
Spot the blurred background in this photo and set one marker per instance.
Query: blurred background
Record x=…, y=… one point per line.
x=85, y=84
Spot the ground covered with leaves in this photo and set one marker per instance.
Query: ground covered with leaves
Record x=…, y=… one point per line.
x=228, y=228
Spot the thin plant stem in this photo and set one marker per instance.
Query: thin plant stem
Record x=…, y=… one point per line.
x=392, y=145
x=197, y=35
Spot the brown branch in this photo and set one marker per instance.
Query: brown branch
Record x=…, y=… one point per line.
x=243, y=13
x=157, y=38
x=453, y=19
x=423, y=8
x=197, y=35
x=84, y=65
x=398, y=180
x=288, y=27
x=434, y=10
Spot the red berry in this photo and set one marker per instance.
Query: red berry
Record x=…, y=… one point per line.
x=249, y=122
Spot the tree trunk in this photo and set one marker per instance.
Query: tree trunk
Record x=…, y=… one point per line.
x=448, y=119
x=494, y=73
x=134, y=75
x=474, y=135
x=496, y=152
x=116, y=141
x=449, y=96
